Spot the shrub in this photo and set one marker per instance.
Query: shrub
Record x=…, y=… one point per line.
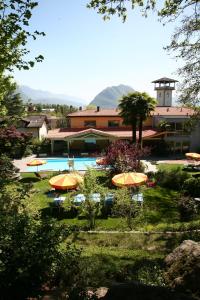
x=7, y=170
x=122, y=156
x=89, y=208
x=187, y=208
x=191, y=187
x=13, y=143
x=125, y=207
x=173, y=179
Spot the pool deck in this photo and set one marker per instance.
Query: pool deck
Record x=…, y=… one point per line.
x=21, y=164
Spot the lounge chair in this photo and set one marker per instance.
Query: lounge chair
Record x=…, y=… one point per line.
x=109, y=198
x=96, y=197
x=59, y=200
x=138, y=198
x=40, y=175
x=78, y=199
x=42, y=155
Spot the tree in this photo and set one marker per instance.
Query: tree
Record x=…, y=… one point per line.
x=145, y=105
x=12, y=104
x=13, y=142
x=15, y=16
x=122, y=156
x=33, y=250
x=90, y=208
x=7, y=170
x=129, y=113
x=135, y=108
x=125, y=207
x=185, y=42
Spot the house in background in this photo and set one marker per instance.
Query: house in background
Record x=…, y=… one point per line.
x=56, y=122
x=92, y=130
x=37, y=125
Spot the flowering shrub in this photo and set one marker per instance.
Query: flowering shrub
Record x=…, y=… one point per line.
x=13, y=142
x=122, y=156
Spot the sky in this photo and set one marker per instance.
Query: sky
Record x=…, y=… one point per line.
x=85, y=54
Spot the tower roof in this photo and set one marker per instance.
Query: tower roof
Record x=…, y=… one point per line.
x=164, y=80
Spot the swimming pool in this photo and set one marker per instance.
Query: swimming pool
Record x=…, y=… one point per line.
x=60, y=164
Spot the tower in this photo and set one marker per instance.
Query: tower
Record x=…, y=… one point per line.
x=164, y=87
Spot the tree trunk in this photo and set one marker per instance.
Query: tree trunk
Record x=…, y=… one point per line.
x=140, y=132
x=134, y=128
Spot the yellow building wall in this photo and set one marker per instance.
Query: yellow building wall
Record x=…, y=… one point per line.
x=101, y=122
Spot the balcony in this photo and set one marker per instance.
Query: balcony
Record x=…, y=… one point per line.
x=178, y=135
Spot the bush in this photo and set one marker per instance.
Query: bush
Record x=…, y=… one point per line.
x=38, y=146
x=191, y=187
x=187, y=208
x=173, y=179
x=125, y=207
x=122, y=156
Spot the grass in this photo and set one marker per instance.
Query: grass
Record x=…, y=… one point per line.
x=159, y=210
x=169, y=167
x=121, y=256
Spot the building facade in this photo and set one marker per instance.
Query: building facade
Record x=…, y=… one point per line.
x=90, y=131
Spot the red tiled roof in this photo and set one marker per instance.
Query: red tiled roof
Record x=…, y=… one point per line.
x=172, y=111
x=159, y=110
x=62, y=134
x=93, y=112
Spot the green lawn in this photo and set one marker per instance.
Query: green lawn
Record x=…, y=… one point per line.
x=169, y=167
x=116, y=255
x=126, y=256
x=159, y=211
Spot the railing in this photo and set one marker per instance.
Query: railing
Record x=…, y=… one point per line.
x=177, y=133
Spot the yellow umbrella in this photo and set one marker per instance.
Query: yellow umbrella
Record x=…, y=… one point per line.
x=77, y=176
x=195, y=156
x=63, y=182
x=130, y=179
x=36, y=162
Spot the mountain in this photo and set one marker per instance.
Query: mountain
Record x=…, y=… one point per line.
x=44, y=97
x=109, y=97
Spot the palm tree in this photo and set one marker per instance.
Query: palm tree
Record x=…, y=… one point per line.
x=134, y=109
x=128, y=111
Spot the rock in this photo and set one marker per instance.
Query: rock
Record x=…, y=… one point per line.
x=183, y=268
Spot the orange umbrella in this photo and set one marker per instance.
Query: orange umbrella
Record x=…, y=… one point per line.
x=101, y=161
x=36, y=162
x=129, y=179
x=195, y=156
x=63, y=182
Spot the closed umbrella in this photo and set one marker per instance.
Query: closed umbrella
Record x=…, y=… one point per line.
x=63, y=182
x=36, y=162
x=101, y=161
x=195, y=156
x=130, y=179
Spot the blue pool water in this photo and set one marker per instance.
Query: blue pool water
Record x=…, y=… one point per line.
x=60, y=164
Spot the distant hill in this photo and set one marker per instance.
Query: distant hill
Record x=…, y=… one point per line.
x=109, y=97
x=44, y=97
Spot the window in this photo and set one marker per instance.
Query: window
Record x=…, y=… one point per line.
x=90, y=123
x=179, y=126
x=113, y=123
x=176, y=126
